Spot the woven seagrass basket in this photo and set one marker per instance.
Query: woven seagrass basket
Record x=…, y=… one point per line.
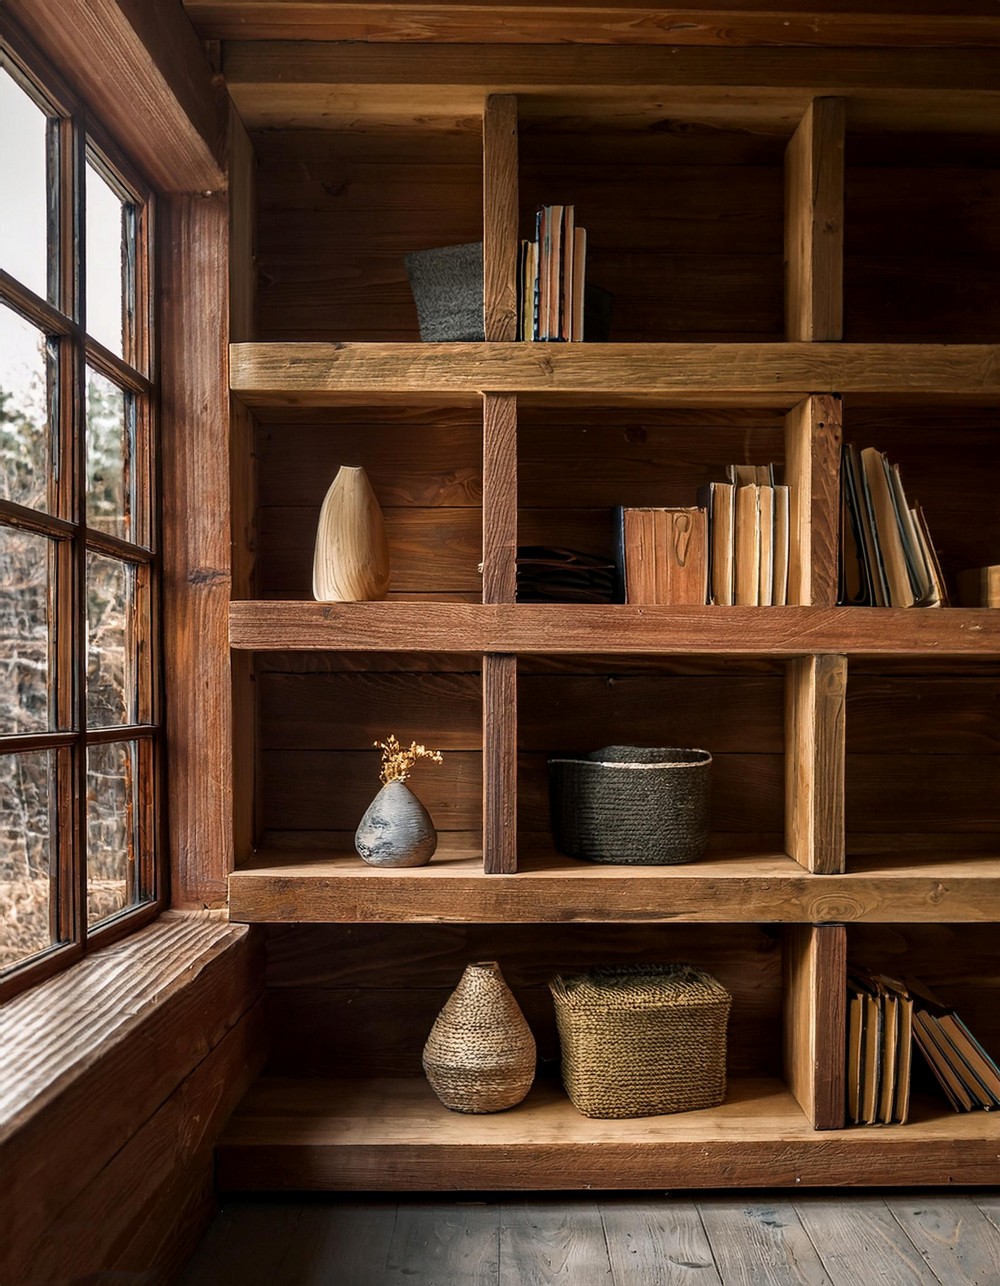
x=642, y=1040
x=631, y=804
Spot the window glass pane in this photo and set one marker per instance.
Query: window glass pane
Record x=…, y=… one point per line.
x=28, y=862
x=112, y=829
x=24, y=201
x=27, y=378
x=27, y=632
x=111, y=644
x=109, y=457
x=109, y=282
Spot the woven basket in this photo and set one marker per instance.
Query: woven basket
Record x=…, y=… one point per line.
x=447, y=285
x=631, y=804
x=642, y=1040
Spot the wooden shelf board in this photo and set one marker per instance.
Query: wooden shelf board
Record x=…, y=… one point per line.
x=393, y=1135
x=531, y=628
x=728, y=887
x=718, y=375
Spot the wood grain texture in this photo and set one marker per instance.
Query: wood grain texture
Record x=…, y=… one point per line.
x=862, y=1244
x=955, y=1239
x=543, y=1245
x=621, y=630
x=333, y=1135
x=814, y=223
x=463, y=1246
x=196, y=547
x=500, y=217
x=815, y=697
x=657, y=1239
x=694, y=24
x=812, y=469
x=778, y=375
x=500, y=777
x=141, y=70
x=328, y=883
x=153, y=1007
x=765, y=1241
x=815, y=964
x=500, y=535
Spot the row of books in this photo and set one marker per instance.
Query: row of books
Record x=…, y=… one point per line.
x=551, y=277
x=732, y=548
x=886, y=1018
x=887, y=558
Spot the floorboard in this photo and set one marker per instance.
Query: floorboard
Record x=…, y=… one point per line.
x=931, y=1237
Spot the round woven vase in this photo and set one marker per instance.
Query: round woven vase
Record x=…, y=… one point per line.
x=480, y=1055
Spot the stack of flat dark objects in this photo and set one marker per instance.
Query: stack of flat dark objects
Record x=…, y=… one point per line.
x=550, y=575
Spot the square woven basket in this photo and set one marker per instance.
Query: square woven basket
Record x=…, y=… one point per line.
x=642, y=1040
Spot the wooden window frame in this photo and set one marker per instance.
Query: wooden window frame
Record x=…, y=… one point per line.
x=63, y=318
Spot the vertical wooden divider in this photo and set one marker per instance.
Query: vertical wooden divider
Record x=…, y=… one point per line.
x=815, y=695
x=243, y=479
x=500, y=195
x=814, y=224
x=812, y=470
x=815, y=968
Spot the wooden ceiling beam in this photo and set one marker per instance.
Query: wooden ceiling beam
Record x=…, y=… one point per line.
x=141, y=69
x=698, y=22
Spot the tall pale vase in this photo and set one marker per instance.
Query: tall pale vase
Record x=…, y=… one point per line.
x=351, y=562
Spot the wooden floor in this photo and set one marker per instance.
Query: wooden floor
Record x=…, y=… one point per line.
x=941, y=1238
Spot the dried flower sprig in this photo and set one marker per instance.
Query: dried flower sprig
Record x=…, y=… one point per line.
x=397, y=762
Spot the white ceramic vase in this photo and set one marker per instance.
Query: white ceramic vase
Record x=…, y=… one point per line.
x=351, y=562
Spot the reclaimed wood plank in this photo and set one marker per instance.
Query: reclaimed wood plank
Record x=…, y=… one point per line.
x=500, y=534
x=812, y=469
x=815, y=699
x=953, y=1236
x=861, y=1244
x=500, y=767
x=590, y=628
x=542, y=1243
x=777, y=375
x=814, y=223
x=460, y=1246
x=500, y=173
x=761, y=1242
x=815, y=965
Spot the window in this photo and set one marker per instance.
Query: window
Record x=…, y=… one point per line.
x=80, y=739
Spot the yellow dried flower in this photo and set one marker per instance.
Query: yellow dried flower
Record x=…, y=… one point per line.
x=397, y=762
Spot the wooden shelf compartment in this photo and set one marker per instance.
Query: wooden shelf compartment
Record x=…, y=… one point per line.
x=724, y=374
x=333, y=885
x=567, y=629
x=313, y=1134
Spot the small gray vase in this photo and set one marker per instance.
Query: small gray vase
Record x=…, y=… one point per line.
x=396, y=829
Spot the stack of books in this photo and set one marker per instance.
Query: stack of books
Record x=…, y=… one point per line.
x=734, y=547
x=550, y=275
x=886, y=1017
x=887, y=558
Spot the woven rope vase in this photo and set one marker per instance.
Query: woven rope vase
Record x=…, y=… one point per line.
x=642, y=1040
x=480, y=1055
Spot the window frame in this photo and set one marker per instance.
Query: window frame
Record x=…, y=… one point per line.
x=75, y=139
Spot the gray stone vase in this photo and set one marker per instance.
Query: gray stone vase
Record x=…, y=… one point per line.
x=396, y=829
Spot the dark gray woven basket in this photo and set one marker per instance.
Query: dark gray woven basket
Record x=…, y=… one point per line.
x=447, y=285
x=645, y=806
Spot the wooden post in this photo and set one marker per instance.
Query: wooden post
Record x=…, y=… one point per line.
x=812, y=470
x=815, y=968
x=499, y=764
x=243, y=479
x=500, y=217
x=815, y=693
x=814, y=224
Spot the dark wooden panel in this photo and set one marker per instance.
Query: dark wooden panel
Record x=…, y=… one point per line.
x=410, y=971
x=349, y=711
x=330, y=790
x=747, y=793
x=924, y=213
x=914, y=299
x=720, y=713
x=923, y=716
x=942, y=793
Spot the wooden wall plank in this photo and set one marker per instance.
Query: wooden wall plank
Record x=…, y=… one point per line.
x=500, y=534
x=924, y=791
x=500, y=771
x=196, y=546
x=815, y=1016
x=142, y=71
x=500, y=175
x=814, y=223
x=812, y=469
x=900, y=715
x=814, y=762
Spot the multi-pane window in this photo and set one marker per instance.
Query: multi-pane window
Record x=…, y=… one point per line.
x=79, y=704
